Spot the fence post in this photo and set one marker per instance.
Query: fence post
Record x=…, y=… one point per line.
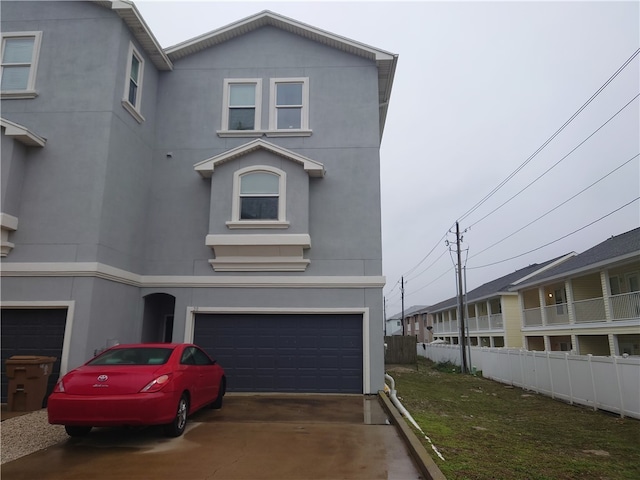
x=566, y=357
x=615, y=364
x=553, y=393
x=593, y=383
x=522, y=375
x=535, y=372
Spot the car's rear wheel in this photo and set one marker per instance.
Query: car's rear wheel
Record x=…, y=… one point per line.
x=217, y=403
x=76, y=431
x=179, y=423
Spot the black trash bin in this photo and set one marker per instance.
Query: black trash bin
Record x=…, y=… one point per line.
x=28, y=376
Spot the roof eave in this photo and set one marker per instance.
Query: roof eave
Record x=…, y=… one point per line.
x=132, y=18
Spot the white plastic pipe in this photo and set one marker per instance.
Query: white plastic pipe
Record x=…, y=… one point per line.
x=403, y=411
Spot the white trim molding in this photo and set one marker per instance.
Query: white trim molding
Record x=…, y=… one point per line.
x=106, y=272
x=281, y=222
x=226, y=105
x=22, y=134
x=192, y=311
x=303, y=106
x=206, y=167
x=68, y=327
x=29, y=91
x=134, y=108
x=8, y=223
x=259, y=253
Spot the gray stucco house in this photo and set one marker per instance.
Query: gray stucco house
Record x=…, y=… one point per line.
x=224, y=191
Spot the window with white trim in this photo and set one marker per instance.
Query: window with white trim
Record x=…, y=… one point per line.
x=259, y=198
x=20, y=51
x=242, y=104
x=289, y=104
x=132, y=98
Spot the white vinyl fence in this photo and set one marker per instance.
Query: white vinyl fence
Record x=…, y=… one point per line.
x=606, y=383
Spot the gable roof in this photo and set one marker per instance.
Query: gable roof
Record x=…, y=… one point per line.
x=502, y=285
x=616, y=249
x=206, y=167
x=385, y=61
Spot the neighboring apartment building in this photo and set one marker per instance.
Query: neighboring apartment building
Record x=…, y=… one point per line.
x=194, y=193
x=493, y=314
x=589, y=304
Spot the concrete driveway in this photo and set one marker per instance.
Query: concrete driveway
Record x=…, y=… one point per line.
x=252, y=437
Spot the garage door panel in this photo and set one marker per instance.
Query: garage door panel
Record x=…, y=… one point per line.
x=32, y=332
x=300, y=353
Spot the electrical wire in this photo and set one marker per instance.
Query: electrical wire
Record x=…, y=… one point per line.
x=550, y=139
x=557, y=206
x=558, y=239
x=557, y=163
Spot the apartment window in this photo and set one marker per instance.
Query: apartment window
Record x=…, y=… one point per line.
x=132, y=99
x=20, y=51
x=259, y=198
x=289, y=104
x=241, y=110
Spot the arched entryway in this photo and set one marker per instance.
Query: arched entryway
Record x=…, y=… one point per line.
x=157, y=324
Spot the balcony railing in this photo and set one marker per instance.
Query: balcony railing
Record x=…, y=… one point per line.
x=625, y=306
x=496, y=321
x=533, y=317
x=557, y=314
x=587, y=311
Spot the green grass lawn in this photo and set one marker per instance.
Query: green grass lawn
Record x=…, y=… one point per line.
x=488, y=430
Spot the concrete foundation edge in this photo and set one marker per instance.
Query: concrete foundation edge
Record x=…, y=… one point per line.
x=423, y=460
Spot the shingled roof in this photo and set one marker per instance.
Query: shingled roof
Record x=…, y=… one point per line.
x=619, y=248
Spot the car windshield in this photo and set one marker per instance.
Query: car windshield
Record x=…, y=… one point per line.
x=133, y=356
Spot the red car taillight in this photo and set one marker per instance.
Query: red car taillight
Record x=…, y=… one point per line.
x=157, y=384
x=59, y=387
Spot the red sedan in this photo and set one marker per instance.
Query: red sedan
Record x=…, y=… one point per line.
x=138, y=384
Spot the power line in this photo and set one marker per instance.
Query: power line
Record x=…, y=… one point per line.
x=550, y=139
x=557, y=240
x=557, y=206
x=557, y=163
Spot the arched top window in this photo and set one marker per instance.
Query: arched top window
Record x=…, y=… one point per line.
x=259, y=195
x=259, y=199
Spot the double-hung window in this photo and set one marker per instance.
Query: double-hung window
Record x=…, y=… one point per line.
x=20, y=51
x=259, y=198
x=289, y=104
x=132, y=99
x=242, y=104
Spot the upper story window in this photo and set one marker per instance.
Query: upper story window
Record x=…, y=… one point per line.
x=289, y=107
x=242, y=102
x=20, y=51
x=132, y=99
x=259, y=198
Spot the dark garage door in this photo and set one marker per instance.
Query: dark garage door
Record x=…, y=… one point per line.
x=32, y=332
x=285, y=353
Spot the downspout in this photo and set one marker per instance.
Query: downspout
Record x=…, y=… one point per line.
x=403, y=411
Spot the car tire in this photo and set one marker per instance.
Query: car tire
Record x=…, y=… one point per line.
x=179, y=423
x=76, y=431
x=217, y=403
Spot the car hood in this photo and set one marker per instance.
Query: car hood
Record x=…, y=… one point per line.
x=110, y=380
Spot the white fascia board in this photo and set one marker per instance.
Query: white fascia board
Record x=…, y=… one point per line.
x=545, y=268
x=267, y=17
x=301, y=239
x=132, y=18
x=22, y=134
x=206, y=167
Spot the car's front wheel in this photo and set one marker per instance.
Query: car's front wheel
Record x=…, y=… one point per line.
x=76, y=431
x=179, y=423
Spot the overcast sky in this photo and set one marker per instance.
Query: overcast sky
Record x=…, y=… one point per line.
x=479, y=88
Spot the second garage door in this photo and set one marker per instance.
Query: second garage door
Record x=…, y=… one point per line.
x=285, y=353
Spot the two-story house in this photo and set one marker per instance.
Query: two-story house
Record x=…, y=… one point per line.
x=589, y=304
x=225, y=190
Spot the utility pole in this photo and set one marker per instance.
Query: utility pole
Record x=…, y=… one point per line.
x=463, y=356
x=402, y=292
